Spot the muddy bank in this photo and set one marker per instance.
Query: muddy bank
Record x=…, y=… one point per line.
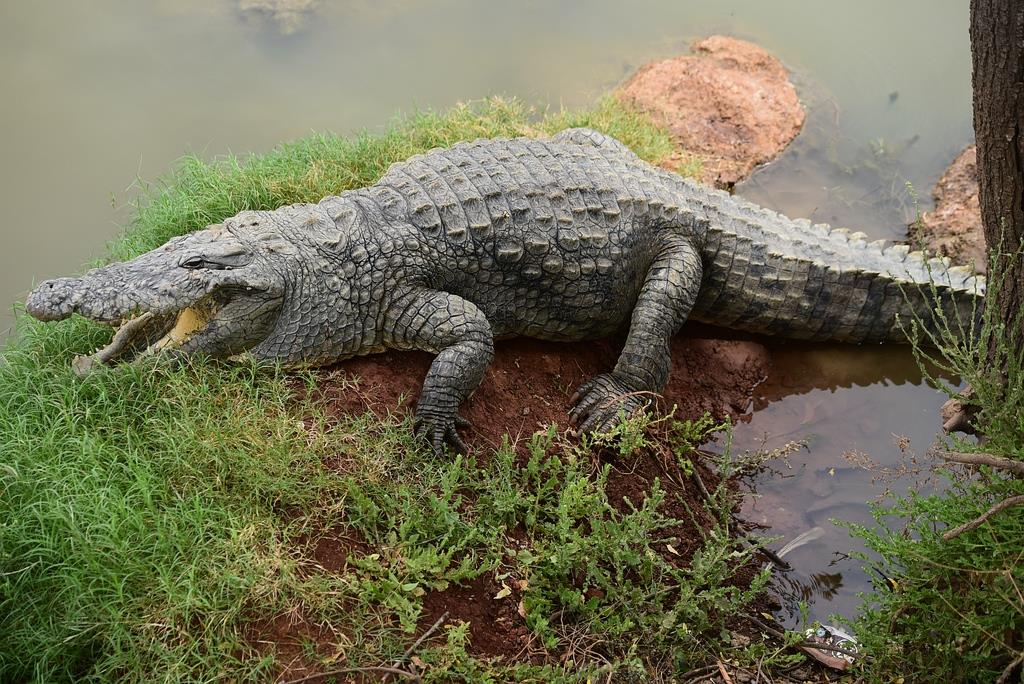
x=738, y=120
x=953, y=227
x=730, y=104
x=493, y=606
x=530, y=382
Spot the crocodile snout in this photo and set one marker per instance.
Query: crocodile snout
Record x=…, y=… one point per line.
x=52, y=299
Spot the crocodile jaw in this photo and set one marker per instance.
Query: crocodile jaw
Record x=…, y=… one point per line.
x=144, y=335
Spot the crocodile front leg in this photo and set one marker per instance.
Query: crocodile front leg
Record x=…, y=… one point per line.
x=665, y=301
x=459, y=333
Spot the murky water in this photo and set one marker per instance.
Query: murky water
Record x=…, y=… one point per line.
x=861, y=415
x=98, y=94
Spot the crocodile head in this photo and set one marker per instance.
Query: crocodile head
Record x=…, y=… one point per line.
x=215, y=292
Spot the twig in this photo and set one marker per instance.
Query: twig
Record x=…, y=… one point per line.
x=700, y=484
x=416, y=644
x=347, y=670
x=724, y=672
x=775, y=558
x=394, y=669
x=992, y=460
x=423, y=637
x=698, y=672
x=778, y=633
x=977, y=522
x=1005, y=676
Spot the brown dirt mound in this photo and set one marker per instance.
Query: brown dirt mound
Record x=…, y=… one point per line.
x=529, y=383
x=496, y=629
x=730, y=103
x=527, y=386
x=953, y=227
x=289, y=637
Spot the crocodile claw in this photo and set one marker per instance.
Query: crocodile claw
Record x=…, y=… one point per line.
x=438, y=431
x=601, y=402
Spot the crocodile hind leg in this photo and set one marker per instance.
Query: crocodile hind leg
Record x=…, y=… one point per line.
x=459, y=333
x=665, y=300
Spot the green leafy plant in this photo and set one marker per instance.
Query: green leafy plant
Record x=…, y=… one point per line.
x=955, y=607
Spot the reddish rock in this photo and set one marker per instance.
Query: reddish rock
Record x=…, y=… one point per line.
x=730, y=104
x=953, y=227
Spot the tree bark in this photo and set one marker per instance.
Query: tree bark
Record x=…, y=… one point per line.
x=997, y=52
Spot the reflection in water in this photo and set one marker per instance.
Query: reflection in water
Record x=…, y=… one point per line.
x=799, y=367
x=836, y=399
x=864, y=189
x=795, y=587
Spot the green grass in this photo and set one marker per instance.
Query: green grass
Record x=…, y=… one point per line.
x=155, y=521
x=138, y=514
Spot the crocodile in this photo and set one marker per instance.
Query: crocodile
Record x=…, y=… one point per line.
x=571, y=237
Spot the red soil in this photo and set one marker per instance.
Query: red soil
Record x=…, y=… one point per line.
x=529, y=383
x=953, y=227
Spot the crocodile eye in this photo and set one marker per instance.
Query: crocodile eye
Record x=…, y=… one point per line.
x=192, y=262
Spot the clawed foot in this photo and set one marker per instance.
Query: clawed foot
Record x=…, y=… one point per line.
x=438, y=430
x=599, y=402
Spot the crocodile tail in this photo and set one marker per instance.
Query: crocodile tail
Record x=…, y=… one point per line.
x=865, y=292
x=773, y=275
x=898, y=288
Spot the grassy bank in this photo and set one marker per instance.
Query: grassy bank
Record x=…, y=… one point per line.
x=210, y=523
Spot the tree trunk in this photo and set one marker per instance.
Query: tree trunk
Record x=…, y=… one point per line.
x=997, y=58
x=997, y=52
